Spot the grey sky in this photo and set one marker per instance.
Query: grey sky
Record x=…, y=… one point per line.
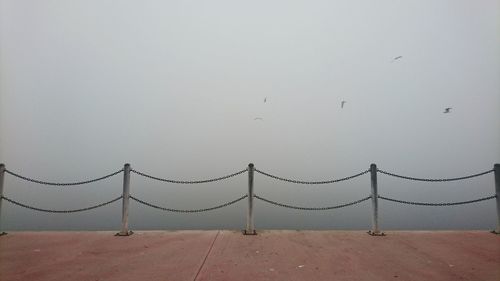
x=173, y=87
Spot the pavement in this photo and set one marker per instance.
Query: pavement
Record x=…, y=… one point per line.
x=269, y=255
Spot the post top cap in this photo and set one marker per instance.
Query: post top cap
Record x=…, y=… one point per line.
x=250, y=165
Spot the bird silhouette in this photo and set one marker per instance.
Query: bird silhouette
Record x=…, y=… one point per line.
x=258, y=118
x=265, y=99
x=447, y=110
x=342, y=104
x=397, y=58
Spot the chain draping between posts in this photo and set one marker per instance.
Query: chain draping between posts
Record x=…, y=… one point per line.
x=311, y=182
x=310, y=208
x=434, y=180
x=241, y=172
x=59, y=183
x=188, y=182
x=60, y=211
x=437, y=204
x=187, y=210
x=245, y=196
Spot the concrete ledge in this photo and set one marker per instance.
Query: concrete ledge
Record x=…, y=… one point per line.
x=271, y=255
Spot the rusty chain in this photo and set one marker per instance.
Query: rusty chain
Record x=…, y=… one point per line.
x=437, y=204
x=188, y=182
x=311, y=182
x=311, y=208
x=433, y=180
x=187, y=210
x=60, y=211
x=62, y=184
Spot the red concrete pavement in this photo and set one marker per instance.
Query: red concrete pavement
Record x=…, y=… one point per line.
x=337, y=255
x=101, y=256
x=270, y=255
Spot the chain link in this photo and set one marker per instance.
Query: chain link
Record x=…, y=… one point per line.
x=311, y=182
x=60, y=211
x=189, y=182
x=62, y=184
x=434, y=180
x=311, y=209
x=437, y=204
x=187, y=210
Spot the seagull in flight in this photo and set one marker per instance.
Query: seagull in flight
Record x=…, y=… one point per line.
x=397, y=58
x=258, y=118
x=447, y=110
x=342, y=104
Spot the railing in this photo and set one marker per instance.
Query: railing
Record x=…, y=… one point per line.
x=250, y=229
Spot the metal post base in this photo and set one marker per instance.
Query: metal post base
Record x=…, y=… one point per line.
x=130, y=232
x=376, y=233
x=495, y=232
x=245, y=232
x=3, y=233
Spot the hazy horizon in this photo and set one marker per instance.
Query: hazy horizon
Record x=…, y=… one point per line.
x=174, y=87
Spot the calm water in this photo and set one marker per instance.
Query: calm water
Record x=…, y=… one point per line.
x=480, y=215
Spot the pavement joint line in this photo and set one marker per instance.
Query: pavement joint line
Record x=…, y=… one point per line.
x=206, y=256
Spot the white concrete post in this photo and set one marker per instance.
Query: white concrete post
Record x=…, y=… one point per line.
x=125, y=201
x=375, y=230
x=2, y=173
x=496, y=169
x=250, y=230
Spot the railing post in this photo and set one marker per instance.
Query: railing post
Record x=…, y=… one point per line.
x=250, y=230
x=496, y=169
x=2, y=173
x=375, y=230
x=125, y=201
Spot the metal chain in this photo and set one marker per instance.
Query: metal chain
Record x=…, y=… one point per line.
x=187, y=210
x=62, y=184
x=433, y=180
x=311, y=209
x=312, y=182
x=437, y=204
x=60, y=211
x=188, y=182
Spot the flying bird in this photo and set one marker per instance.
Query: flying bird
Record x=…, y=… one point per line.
x=342, y=104
x=447, y=110
x=258, y=118
x=265, y=99
x=397, y=58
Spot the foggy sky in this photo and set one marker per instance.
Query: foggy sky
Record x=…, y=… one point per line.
x=173, y=88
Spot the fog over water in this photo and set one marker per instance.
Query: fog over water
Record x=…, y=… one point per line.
x=174, y=87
